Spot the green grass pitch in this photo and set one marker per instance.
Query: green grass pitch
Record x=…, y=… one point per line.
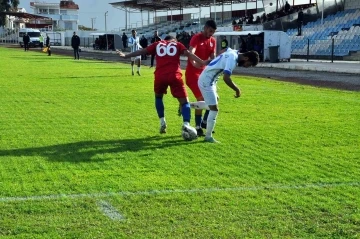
x=81, y=157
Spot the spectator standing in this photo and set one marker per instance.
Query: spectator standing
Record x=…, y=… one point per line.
x=242, y=45
x=75, y=43
x=26, y=40
x=300, y=20
x=156, y=38
x=224, y=43
x=250, y=42
x=287, y=7
x=47, y=43
x=41, y=39
x=143, y=44
x=124, y=39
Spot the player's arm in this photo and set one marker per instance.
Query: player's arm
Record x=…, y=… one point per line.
x=192, y=51
x=231, y=84
x=133, y=54
x=213, y=54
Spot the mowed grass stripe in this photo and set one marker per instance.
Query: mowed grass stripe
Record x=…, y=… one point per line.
x=183, y=191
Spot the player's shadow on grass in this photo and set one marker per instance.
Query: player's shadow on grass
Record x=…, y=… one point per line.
x=97, y=151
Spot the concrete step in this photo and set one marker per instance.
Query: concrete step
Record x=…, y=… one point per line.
x=353, y=57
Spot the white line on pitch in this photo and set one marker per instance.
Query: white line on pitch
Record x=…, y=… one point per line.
x=106, y=208
x=190, y=191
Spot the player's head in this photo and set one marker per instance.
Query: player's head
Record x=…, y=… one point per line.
x=247, y=59
x=169, y=38
x=156, y=33
x=133, y=32
x=209, y=28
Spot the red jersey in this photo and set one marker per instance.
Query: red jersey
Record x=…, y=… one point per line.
x=167, y=56
x=204, y=48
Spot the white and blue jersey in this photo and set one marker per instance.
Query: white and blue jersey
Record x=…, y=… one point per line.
x=134, y=43
x=222, y=64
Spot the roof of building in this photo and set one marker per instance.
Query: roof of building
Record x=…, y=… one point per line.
x=166, y=5
x=24, y=15
x=64, y=4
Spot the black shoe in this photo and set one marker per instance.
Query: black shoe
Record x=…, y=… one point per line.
x=200, y=132
x=203, y=125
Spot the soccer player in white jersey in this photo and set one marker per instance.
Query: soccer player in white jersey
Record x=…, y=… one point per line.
x=222, y=64
x=134, y=44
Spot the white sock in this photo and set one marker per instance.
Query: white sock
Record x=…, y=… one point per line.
x=132, y=68
x=162, y=121
x=211, y=121
x=186, y=124
x=138, y=68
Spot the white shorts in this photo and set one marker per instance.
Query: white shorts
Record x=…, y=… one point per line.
x=135, y=58
x=209, y=92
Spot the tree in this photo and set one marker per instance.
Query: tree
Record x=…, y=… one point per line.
x=83, y=28
x=6, y=6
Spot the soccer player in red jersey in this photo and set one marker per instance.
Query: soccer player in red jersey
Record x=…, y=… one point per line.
x=168, y=73
x=203, y=45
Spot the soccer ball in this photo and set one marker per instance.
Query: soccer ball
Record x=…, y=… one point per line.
x=189, y=133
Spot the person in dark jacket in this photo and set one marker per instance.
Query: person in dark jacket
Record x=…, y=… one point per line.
x=300, y=20
x=143, y=44
x=75, y=43
x=47, y=43
x=156, y=38
x=124, y=39
x=26, y=40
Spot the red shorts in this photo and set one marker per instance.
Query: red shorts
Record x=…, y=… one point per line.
x=192, y=83
x=177, y=86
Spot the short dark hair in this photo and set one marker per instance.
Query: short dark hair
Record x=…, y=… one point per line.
x=253, y=57
x=211, y=23
x=169, y=38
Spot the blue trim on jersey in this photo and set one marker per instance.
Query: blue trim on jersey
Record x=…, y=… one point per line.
x=227, y=72
x=214, y=79
x=216, y=60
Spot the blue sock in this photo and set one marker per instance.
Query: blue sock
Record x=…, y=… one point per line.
x=198, y=119
x=206, y=115
x=159, y=105
x=186, y=112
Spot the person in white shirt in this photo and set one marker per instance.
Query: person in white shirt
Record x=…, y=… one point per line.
x=134, y=44
x=222, y=64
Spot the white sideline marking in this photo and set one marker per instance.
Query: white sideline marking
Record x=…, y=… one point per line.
x=170, y=191
x=110, y=211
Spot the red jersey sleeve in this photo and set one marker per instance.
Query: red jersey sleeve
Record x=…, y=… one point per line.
x=152, y=48
x=181, y=48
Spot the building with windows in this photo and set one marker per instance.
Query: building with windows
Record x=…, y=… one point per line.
x=63, y=15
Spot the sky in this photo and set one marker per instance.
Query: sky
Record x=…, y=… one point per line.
x=115, y=20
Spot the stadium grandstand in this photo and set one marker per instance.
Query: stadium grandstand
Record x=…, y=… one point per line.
x=331, y=28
